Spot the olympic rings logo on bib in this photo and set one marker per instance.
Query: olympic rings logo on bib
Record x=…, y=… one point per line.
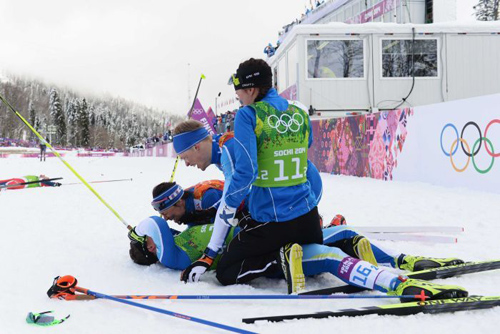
x=286, y=122
x=466, y=149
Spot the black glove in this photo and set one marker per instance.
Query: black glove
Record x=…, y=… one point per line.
x=57, y=184
x=196, y=269
x=133, y=236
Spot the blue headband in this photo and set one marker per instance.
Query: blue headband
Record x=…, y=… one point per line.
x=184, y=141
x=168, y=198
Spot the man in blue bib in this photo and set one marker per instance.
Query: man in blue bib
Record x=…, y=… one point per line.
x=269, y=165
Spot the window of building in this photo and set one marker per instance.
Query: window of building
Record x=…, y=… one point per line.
x=397, y=58
x=429, y=18
x=329, y=59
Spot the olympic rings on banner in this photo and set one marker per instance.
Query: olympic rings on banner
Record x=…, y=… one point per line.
x=462, y=141
x=483, y=171
x=286, y=122
x=467, y=150
x=480, y=140
x=486, y=134
x=442, y=131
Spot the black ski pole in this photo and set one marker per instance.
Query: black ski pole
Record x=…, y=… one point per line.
x=195, y=96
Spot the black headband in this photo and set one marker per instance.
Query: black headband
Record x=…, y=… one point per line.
x=252, y=77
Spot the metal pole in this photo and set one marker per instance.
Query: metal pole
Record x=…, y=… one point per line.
x=167, y=312
x=195, y=95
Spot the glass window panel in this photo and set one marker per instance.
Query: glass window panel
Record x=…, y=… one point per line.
x=397, y=60
x=335, y=59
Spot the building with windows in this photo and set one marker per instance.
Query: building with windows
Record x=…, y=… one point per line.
x=339, y=68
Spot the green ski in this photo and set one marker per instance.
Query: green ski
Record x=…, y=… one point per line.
x=429, y=307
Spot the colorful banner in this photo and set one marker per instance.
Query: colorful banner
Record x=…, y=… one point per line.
x=455, y=144
x=374, y=12
x=211, y=115
x=366, y=145
x=199, y=114
x=449, y=144
x=90, y=154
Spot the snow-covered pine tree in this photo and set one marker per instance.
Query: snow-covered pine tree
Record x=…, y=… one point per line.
x=43, y=125
x=83, y=124
x=33, y=119
x=71, y=116
x=58, y=119
x=487, y=10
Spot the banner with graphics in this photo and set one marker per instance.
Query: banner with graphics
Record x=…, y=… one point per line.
x=375, y=11
x=367, y=145
x=454, y=144
x=448, y=144
x=199, y=114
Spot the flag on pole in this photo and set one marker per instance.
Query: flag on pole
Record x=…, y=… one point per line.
x=200, y=115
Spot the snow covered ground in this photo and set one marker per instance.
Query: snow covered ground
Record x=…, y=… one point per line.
x=59, y=231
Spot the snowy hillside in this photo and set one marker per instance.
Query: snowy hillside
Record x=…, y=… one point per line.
x=59, y=231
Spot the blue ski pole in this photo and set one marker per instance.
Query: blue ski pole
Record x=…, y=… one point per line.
x=206, y=297
x=159, y=310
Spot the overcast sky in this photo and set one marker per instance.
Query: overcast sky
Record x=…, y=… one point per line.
x=140, y=49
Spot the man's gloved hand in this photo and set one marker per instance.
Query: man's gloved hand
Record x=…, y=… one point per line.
x=57, y=184
x=133, y=236
x=196, y=269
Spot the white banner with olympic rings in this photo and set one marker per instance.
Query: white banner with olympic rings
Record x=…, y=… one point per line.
x=454, y=144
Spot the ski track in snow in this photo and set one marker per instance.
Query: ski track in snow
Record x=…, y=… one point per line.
x=48, y=232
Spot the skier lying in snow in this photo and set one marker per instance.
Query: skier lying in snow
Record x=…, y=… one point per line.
x=10, y=184
x=153, y=241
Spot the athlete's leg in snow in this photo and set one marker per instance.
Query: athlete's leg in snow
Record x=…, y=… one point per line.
x=320, y=258
x=345, y=238
x=355, y=245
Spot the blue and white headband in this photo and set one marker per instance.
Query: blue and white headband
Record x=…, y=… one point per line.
x=184, y=141
x=168, y=198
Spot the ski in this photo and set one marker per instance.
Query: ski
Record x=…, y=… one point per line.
x=456, y=270
x=2, y=186
x=409, y=229
x=411, y=237
x=428, y=307
x=427, y=275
